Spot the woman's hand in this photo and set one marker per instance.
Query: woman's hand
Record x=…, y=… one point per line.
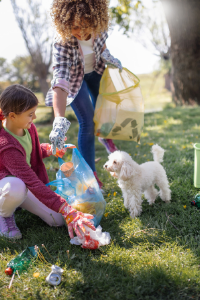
x=57, y=135
x=110, y=60
x=75, y=220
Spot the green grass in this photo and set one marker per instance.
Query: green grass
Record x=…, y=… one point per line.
x=154, y=256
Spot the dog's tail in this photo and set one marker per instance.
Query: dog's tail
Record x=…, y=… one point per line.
x=158, y=153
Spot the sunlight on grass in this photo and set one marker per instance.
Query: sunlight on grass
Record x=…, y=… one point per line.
x=172, y=121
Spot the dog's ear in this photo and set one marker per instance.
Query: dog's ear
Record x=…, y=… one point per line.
x=126, y=171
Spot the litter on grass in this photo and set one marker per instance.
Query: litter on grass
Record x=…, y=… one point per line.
x=93, y=239
x=54, y=278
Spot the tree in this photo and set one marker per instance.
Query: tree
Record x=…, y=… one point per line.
x=149, y=27
x=5, y=69
x=35, y=26
x=184, y=25
x=22, y=72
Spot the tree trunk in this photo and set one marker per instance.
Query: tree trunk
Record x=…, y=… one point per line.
x=168, y=80
x=183, y=17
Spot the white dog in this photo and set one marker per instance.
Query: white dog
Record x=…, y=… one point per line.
x=136, y=179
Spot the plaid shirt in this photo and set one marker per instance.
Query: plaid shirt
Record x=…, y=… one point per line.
x=68, y=66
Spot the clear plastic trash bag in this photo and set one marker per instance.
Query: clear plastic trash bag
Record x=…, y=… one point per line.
x=119, y=111
x=80, y=189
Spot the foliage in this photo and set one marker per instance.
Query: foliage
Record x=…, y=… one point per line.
x=183, y=24
x=146, y=22
x=154, y=256
x=121, y=13
x=23, y=72
x=20, y=70
x=4, y=69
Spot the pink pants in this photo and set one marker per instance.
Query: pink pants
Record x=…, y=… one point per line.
x=14, y=193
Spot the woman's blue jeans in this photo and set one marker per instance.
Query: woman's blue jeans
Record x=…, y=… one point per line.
x=83, y=106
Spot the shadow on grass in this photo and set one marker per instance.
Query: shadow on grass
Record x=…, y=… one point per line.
x=97, y=274
x=103, y=274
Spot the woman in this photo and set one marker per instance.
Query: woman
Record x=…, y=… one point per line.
x=79, y=55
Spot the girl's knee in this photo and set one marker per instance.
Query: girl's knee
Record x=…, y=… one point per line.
x=16, y=189
x=12, y=194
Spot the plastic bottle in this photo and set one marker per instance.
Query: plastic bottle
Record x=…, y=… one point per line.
x=22, y=261
x=196, y=201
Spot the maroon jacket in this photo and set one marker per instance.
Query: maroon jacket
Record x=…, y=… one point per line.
x=13, y=162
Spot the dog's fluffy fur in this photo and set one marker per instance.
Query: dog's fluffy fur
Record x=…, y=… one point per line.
x=134, y=179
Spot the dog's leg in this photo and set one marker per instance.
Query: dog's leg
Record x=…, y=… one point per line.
x=135, y=211
x=126, y=199
x=150, y=194
x=135, y=204
x=165, y=194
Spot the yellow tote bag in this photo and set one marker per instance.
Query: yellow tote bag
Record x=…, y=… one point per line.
x=119, y=111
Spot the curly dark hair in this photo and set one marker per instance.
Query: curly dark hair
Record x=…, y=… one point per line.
x=92, y=14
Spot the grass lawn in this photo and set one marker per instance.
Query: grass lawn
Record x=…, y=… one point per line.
x=154, y=256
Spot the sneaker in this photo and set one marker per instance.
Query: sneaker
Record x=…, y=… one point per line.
x=8, y=228
x=108, y=144
x=112, y=145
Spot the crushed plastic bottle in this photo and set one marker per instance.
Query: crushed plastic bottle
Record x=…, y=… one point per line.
x=196, y=201
x=22, y=261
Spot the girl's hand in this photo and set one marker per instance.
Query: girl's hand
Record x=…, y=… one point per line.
x=59, y=153
x=75, y=220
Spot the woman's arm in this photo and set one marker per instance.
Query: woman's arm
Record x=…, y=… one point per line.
x=59, y=102
x=60, y=124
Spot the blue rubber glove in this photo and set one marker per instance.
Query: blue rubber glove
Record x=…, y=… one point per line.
x=57, y=135
x=110, y=60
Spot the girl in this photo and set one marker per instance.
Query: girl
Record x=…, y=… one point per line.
x=22, y=173
x=79, y=53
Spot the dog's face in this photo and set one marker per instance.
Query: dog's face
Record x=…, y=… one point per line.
x=114, y=162
x=121, y=164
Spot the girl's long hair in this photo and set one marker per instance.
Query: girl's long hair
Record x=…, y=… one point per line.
x=16, y=98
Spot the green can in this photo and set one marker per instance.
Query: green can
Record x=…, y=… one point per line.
x=197, y=165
